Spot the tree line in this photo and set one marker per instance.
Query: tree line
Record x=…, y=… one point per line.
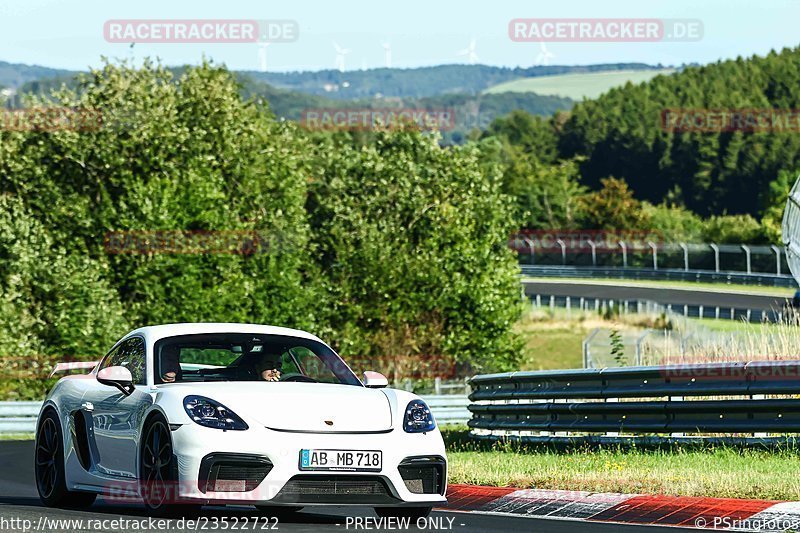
x=611, y=163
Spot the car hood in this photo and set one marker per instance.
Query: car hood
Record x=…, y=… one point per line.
x=314, y=407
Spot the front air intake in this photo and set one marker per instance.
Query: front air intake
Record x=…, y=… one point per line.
x=229, y=472
x=424, y=474
x=344, y=489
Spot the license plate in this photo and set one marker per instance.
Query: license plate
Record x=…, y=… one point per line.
x=351, y=460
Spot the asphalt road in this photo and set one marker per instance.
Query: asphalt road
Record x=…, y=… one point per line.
x=665, y=296
x=19, y=502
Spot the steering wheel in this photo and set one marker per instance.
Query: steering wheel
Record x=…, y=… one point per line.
x=297, y=377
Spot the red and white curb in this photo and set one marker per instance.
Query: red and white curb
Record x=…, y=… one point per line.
x=694, y=512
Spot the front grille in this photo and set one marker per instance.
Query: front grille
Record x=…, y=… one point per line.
x=423, y=475
x=335, y=489
x=232, y=472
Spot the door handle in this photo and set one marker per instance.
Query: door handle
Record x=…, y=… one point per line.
x=89, y=406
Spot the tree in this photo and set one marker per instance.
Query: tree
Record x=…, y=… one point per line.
x=413, y=242
x=614, y=207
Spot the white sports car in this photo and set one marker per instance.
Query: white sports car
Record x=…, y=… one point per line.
x=193, y=414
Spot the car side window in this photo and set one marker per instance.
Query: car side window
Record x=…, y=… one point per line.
x=310, y=365
x=130, y=354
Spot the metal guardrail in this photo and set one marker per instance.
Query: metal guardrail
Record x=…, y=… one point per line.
x=20, y=417
x=625, y=306
x=708, y=276
x=449, y=408
x=640, y=401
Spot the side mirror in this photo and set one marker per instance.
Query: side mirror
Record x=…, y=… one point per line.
x=375, y=380
x=117, y=376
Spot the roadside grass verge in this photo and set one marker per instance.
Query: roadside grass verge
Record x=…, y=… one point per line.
x=16, y=436
x=722, y=472
x=553, y=338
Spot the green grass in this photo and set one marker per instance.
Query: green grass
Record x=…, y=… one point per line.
x=553, y=348
x=17, y=436
x=577, y=86
x=719, y=287
x=714, y=472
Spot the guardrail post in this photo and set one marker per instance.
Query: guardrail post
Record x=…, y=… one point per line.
x=777, y=259
x=563, y=252
x=747, y=256
x=624, y=254
x=569, y=307
x=437, y=386
x=594, y=253
x=685, y=255
x=655, y=254
x=552, y=303
x=700, y=313
x=716, y=256
x=532, y=246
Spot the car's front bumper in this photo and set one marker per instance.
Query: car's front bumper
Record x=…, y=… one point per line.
x=198, y=448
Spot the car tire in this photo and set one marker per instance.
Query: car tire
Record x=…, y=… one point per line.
x=49, y=469
x=403, y=512
x=158, y=472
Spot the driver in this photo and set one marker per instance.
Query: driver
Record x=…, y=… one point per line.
x=267, y=367
x=170, y=364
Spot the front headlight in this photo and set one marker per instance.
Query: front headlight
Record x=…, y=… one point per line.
x=211, y=414
x=418, y=418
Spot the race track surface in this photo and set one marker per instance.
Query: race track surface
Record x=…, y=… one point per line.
x=662, y=295
x=19, y=502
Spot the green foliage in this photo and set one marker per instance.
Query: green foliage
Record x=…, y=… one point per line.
x=732, y=228
x=617, y=347
x=394, y=248
x=413, y=241
x=711, y=173
x=614, y=207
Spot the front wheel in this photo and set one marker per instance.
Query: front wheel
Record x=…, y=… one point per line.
x=403, y=512
x=49, y=467
x=159, y=472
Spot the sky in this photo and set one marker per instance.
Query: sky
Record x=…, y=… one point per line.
x=69, y=34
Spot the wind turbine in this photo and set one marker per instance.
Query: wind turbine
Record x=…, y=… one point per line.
x=387, y=54
x=472, y=57
x=544, y=56
x=340, y=55
x=262, y=56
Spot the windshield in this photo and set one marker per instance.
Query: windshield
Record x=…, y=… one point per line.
x=248, y=357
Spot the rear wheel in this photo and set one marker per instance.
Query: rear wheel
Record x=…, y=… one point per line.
x=403, y=512
x=49, y=467
x=159, y=472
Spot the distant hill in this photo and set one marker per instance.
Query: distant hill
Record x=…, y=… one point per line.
x=579, y=85
x=15, y=75
x=471, y=111
x=419, y=82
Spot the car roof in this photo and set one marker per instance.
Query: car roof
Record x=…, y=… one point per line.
x=154, y=333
